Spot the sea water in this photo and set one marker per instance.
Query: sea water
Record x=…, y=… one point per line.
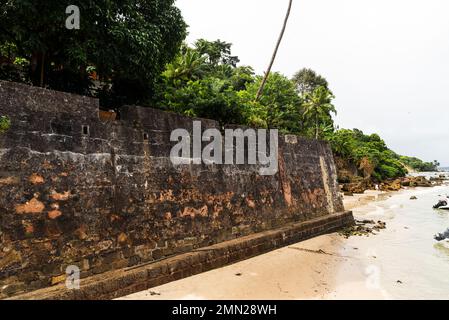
x=403, y=261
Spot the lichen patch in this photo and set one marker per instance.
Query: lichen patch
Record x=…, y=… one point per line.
x=36, y=179
x=9, y=181
x=60, y=196
x=32, y=206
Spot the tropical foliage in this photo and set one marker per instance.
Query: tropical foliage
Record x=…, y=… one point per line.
x=368, y=152
x=204, y=81
x=419, y=165
x=125, y=44
x=307, y=80
x=318, y=109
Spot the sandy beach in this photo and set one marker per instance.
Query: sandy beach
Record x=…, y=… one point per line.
x=326, y=267
x=294, y=272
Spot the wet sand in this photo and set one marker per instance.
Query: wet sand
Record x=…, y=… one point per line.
x=326, y=267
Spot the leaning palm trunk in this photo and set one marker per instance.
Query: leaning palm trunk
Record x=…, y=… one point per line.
x=264, y=81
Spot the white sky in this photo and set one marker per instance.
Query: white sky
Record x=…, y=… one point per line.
x=386, y=60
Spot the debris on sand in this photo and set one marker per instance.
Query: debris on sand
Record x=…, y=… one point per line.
x=413, y=198
x=320, y=251
x=364, y=228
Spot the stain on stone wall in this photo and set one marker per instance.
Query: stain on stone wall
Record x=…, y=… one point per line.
x=104, y=195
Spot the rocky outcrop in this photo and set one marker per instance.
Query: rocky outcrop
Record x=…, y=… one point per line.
x=358, y=186
x=439, y=180
x=347, y=171
x=355, y=179
x=397, y=184
x=416, y=182
x=391, y=185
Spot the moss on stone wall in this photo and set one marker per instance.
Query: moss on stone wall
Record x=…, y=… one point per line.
x=5, y=123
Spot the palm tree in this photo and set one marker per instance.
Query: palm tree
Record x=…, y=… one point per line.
x=307, y=80
x=264, y=81
x=188, y=65
x=318, y=107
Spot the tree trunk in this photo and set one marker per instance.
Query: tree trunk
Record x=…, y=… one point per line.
x=38, y=68
x=42, y=70
x=264, y=81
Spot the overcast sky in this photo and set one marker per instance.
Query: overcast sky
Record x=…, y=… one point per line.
x=386, y=60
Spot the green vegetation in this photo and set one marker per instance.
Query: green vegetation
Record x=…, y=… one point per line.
x=318, y=108
x=5, y=123
x=132, y=52
x=307, y=80
x=279, y=106
x=368, y=152
x=204, y=81
x=419, y=165
x=122, y=44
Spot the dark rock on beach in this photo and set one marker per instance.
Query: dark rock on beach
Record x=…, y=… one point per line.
x=442, y=236
x=397, y=184
x=441, y=203
x=359, y=186
x=364, y=228
x=391, y=185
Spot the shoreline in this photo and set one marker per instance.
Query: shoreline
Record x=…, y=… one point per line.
x=327, y=267
x=364, y=274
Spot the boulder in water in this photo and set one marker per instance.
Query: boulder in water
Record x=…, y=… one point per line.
x=442, y=236
x=441, y=203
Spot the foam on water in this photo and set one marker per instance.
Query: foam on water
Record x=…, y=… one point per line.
x=412, y=265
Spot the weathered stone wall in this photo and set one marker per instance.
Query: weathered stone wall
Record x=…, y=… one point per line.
x=75, y=190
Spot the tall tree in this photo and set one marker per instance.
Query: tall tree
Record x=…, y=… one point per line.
x=217, y=52
x=273, y=58
x=204, y=81
x=127, y=43
x=189, y=64
x=279, y=106
x=318, y=108
x=307, y=80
